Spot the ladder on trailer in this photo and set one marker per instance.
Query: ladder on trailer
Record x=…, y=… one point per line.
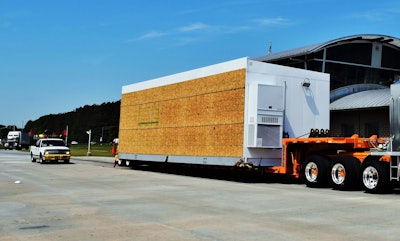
x=394, y=168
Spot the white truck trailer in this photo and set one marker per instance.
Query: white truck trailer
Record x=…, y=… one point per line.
x=247, y=114
x=17, y=140
x=237, y=111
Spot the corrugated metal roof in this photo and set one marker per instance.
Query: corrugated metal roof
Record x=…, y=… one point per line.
x=363, y=99
x=351, y=89
x=316, y=47
x=353, y=98
x=287, y=53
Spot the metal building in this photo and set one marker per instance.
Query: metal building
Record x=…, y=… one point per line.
x=361, y=67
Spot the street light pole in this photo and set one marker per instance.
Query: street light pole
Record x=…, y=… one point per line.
x=89, y=132
x=101, y=138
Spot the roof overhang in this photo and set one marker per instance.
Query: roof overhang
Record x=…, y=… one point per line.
x=384, y=39
x=362, y=100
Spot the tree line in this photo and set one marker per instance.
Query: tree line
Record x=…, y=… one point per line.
x=102, y=120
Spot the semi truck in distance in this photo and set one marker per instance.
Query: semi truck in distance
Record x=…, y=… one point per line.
x=246, y=114
x=17, y=140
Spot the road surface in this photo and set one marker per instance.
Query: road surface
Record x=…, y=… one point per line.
x=91, y=200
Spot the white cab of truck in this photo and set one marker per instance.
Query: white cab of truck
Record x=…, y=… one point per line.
x=50, y=149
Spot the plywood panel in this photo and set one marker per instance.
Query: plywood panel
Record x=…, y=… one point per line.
x=202, y=117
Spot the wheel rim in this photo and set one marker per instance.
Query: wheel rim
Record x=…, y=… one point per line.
x=311, y=172
x=127, y=163
x=338, y=173
x=370, y=177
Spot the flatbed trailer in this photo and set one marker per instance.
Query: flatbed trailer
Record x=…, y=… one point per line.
x=246, y=114
x=297, y=150
x=323, y=161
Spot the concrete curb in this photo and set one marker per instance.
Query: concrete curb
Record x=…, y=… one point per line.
x=103, y=159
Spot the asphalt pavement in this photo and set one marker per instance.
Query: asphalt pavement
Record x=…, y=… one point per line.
x=88, y=199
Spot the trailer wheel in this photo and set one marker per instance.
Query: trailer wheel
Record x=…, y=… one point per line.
x=316, y=171
x=32, y=158
x=121, y=162
x=128, y=163
x=375, y=177
x=345, y=173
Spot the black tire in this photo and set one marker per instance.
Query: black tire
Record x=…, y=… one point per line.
x=345, y=173
x=135, y=164
x=315, y=171
x=375, y=177
x=41, y=161
x=32, y=158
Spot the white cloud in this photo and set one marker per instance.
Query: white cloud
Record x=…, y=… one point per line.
x=149, y=35
x=194, y=27
x=194, y=32
x=271, y=21
x=182, y=30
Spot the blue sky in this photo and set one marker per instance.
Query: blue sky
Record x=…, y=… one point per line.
x=56, y=56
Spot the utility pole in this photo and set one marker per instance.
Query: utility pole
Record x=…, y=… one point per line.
x=89, y=132
x=270, y=48
x=66, y=135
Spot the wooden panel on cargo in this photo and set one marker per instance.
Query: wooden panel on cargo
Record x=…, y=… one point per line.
x=202, y=117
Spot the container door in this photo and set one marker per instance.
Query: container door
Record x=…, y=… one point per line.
x=268, y=129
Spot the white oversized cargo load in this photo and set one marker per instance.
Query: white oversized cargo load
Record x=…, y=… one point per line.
x=236, y=111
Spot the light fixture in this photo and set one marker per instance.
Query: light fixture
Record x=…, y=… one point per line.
x=306, y=83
